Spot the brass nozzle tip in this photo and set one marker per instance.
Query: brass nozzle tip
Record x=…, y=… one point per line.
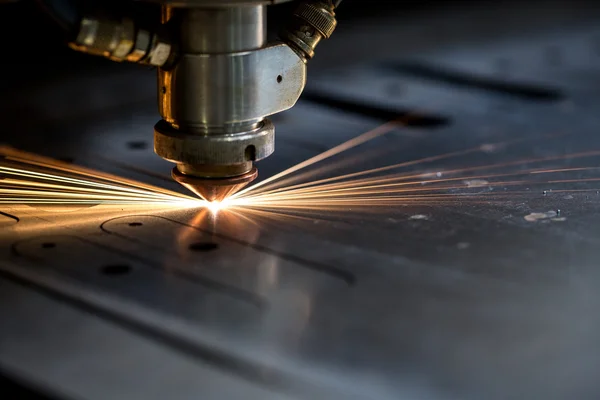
x=214, y=189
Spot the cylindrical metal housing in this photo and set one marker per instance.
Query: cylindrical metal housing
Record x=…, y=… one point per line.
x=215, y=97
x=222, y=30
x=217, y=149
x=202, y=96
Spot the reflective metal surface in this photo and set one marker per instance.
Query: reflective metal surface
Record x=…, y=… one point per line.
x=204, y=93
x=216, y=30
x=424, y=301
x=216, y=150
x=225, y=81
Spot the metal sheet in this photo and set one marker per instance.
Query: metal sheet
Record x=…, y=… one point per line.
x=421, y=301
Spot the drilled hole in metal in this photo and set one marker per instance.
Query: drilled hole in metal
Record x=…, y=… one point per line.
x=137, y=145
x=279, y=78
x=204, y=246
x=250, y=153
x=115, y=270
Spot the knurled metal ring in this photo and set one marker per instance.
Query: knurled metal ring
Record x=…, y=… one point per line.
x=319, y=18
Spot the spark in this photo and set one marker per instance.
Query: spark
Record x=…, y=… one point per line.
x=365, y=137
x=318, y=185
x=297, y=188
x=31, y=179
x=216, y=206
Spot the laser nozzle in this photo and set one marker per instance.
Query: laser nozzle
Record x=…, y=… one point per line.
x=214, y=189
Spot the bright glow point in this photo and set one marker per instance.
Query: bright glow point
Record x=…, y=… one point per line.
x=31, y=179
x=190, y=203
x=216, y=206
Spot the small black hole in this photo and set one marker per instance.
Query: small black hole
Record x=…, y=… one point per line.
x=135, y=224
x=115, y=270
x=137, y=145
x=279, y=78
x=203, y=246
x=48, y=245
x=164, y=90
x=250, y=153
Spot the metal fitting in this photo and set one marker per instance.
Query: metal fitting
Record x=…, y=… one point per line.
x=312, y=21
x=318, y=16
x=184, y=147
x=225, y=81
x=141, y=45
x=161, y=51
x=220, y=92
x=120, y=40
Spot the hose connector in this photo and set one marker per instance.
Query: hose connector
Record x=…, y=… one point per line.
x=312, y=22
x=121, y=40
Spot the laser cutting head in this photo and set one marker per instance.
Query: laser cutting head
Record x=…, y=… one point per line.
x=227, y=79
x=218, y=81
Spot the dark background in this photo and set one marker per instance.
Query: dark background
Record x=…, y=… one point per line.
x=34, y=50
x=33, y=44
